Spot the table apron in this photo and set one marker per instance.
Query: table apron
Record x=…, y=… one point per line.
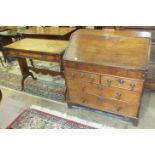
x=38, y=56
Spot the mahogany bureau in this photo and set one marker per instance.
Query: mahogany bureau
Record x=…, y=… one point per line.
x=105, y=70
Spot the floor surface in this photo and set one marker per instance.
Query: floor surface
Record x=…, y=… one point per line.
x=14, y=102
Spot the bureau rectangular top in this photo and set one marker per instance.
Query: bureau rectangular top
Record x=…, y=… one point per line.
x=50, y=31
x=38, y=45
x=114, y=48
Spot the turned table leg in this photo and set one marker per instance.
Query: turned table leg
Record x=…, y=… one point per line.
x=1, y=61
x=24, y=71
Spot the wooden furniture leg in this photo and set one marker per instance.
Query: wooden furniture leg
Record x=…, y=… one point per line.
x=24, y=70
x=135, y=122
x=0, y=95
x=61, y=63
x=32, y=63
x=69, y=105
x=1, y=61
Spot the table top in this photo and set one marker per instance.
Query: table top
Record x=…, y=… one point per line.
x=53, y=31
x=114, y=48
x=9, y=27
x=38, y=45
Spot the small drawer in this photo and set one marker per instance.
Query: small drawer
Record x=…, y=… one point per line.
x=33, y=56
x=90, y=88
x=12, y=53
x=82, y=76
x=125, y=83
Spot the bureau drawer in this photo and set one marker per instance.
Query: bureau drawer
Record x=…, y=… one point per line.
x=87, y=100
x=125, y=83
x=121, y=95
x=72, y=74
x=103, y=104
x=111, y=92
x=105, y=91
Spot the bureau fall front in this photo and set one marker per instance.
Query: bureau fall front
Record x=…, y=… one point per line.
x=106, y=69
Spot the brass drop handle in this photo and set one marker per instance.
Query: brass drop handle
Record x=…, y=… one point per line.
x=101, y=98
x=100, y=87
x=109, y=82
x=91, y=77
x=83, y=100
x=81, y=74
x=121, y=81
x=118, y=108
x=118, y=96
x=132, y=85
x=72, y=76
x=83, y=88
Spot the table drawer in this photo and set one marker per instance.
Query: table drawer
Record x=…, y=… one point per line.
x=38, y=56
x=125, y=83
x=103, y=104
x=72, y=74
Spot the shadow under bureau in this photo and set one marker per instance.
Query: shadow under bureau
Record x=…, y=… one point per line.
x=105, y=70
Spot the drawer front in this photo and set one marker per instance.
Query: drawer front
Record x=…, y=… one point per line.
x=88, y=100
x=100, y=103
x=38, y=56
x=12, y=53
x=71, y=74
x=121, y=95
x=112, y=93
x=130, y=84
x=105, y=91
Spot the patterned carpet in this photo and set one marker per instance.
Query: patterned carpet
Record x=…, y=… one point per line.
x=45, y=85
x=33, y=118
